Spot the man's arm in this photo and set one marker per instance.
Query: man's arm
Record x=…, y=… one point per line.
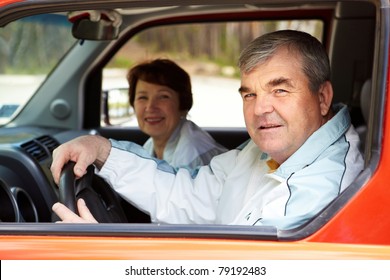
x=167, y=194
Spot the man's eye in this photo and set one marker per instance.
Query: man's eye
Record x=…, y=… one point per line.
x=280, y=92
x=249, y=96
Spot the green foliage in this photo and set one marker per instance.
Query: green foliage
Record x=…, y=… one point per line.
x=216, y=43
x=121, y=62
x=34, y=45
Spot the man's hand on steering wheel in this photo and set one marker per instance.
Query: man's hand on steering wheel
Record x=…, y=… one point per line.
x=84, y=151
x=104, y=204
x=67, y=216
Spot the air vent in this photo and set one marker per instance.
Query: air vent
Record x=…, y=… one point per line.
x=49, y=142
x=35, y=150
x=41, y=147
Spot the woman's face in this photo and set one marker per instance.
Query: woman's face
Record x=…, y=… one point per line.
x=157, y=110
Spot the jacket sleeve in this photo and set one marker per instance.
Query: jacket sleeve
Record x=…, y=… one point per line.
x=167, y=194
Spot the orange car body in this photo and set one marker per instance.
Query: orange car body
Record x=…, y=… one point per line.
x=360, y=229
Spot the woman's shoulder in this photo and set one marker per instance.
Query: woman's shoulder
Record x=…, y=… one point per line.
x=196, y=136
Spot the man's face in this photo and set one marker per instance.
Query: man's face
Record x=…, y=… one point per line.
x=279, y=109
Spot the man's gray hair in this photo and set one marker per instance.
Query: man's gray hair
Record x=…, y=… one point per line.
x=315, y=61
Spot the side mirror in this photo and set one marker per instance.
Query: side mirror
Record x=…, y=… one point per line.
x=97, y=25
x=116, y=109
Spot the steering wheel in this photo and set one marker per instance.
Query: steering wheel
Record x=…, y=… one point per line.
x=103, y=202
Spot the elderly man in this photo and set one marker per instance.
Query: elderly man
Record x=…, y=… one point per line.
x=302, y=153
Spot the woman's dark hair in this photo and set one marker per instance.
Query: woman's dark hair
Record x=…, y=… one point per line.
x=162, y=72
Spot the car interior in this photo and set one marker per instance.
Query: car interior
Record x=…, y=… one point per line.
x=73, y=99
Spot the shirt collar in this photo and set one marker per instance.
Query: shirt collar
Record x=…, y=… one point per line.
x=320, y=140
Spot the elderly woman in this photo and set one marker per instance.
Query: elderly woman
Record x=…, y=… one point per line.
x=160, y=93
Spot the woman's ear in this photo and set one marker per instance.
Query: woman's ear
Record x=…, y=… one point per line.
x=325, y=97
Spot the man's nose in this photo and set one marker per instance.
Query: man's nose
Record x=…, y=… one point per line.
x=263, y=104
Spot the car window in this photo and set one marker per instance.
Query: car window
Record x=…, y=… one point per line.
x=207, y=51
x=36, y=46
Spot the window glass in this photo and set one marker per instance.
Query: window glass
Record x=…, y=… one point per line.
x=208, y=52
x=29, y=49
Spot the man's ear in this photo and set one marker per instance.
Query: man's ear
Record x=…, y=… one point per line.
x=325, y=97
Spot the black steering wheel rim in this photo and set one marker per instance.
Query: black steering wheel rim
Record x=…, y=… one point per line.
x=103, y=202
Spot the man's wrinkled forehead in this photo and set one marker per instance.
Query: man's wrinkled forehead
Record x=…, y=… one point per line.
x=274, y=82
x=257, y=60
x=281, y=69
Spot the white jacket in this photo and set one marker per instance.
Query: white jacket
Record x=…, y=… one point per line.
x=189, y=146
x=236, y=187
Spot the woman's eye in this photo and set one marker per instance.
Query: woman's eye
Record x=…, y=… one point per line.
x=141, y=97
x=165, y=94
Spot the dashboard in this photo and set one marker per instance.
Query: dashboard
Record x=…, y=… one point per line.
x=27, y=189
